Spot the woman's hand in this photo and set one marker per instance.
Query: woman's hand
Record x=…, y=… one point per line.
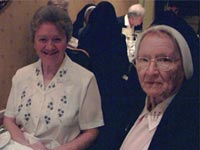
x=15, y=132
x=38, y=146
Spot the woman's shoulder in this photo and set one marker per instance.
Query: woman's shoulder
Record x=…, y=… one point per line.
x=79, y=75
x=80, y=70
x=25, y=71
x=77, y=70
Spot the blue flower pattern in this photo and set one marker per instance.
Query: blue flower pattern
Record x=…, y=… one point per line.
x=62, y=72
x=26, y=104
x=47, y=119
x=60, y=112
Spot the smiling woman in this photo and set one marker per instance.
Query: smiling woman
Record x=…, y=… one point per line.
x=53, y=96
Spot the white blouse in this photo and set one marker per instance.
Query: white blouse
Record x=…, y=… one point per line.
x=56, y=114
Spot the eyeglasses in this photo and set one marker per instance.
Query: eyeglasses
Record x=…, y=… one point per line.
x=162, y=63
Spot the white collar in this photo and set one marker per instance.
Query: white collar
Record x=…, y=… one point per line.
x=60, y=76
x=154, y=117
x=126, y=21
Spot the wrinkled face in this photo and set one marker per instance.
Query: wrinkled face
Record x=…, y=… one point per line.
x=50, y=44
x=155, y=82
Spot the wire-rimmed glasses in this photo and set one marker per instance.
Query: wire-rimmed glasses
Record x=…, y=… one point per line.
x=162, y=63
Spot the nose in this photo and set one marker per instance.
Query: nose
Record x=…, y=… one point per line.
x=152, y=68
x=50, y=45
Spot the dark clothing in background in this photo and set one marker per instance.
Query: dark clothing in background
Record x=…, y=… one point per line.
x=106, y=45
x=79, y=22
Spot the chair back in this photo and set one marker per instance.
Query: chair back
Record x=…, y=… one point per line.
x=80, y=56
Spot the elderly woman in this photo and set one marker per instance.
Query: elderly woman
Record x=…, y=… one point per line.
x=170, y=118
x=54, y=103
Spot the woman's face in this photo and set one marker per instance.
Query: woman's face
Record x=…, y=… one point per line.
x=50, y=43
x=155, y=82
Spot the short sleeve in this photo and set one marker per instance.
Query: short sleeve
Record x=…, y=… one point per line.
x=90, y=115
x=11, y=103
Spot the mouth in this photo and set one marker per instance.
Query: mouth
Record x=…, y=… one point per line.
x=50, y=53
x=152, y=82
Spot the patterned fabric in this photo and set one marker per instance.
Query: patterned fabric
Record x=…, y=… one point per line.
x=58, y=112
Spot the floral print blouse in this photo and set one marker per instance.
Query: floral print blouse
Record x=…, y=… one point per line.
x=55, y=114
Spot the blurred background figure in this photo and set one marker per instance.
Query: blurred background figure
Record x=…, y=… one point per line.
x=133, y=18
x=106, y=46
x=174, y=6
x=131, y=26
x=129, y=23
x=82, y=19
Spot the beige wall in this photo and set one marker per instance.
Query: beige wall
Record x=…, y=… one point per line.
x=15, y=45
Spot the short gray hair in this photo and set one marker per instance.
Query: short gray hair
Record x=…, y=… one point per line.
x=53, y=15
x=136, y=10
